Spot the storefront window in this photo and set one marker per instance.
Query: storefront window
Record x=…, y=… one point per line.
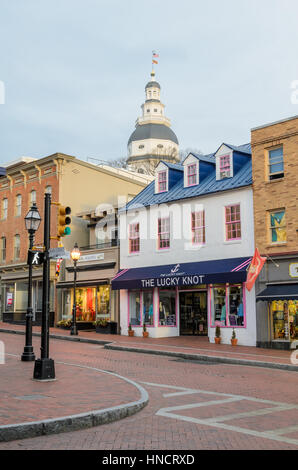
x=85, y=303
x=236, y=310
x=134, y=308
x=21, y=296
x=8, y=298
x=167, y=307
x=219, y=306
x=148, y=307
x=103, y=301
x=285, y=319
x=227, y=306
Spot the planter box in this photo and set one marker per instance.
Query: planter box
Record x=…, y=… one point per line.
x=110, y=329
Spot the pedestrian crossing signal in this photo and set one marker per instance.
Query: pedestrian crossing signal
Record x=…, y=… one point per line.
x=63, y=221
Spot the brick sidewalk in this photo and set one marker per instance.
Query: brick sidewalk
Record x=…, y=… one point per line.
x=183, y=344
x=77, y=390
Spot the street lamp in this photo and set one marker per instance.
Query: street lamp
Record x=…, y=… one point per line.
x=75, y=256
x=32, y=222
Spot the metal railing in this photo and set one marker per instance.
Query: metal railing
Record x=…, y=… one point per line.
x=101, y=246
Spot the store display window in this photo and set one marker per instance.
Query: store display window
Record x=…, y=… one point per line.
x=92, y=303
x=285, y=319
x=141, y=307
x=134, y=300
x=227, y=306
x=148, y=307
x=167, y=307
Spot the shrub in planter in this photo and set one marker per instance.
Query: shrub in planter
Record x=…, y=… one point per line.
x=234, y=340
x=145, y=332
x=65, y=324
x=217, y=337
x=104, y=325
x=130, y=331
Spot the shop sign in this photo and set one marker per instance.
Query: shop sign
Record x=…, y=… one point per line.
x=59, y=252
x=93, y=257
x=293, y=269
x=174, y=278
x=9, y=298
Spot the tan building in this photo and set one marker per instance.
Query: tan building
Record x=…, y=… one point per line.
x=275, y=181
x=72, y=182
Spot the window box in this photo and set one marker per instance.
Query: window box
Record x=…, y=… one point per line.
x=110, y=328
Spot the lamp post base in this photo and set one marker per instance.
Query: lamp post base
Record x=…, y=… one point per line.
x=28, y=354
x=74, y=330
x=44, y=369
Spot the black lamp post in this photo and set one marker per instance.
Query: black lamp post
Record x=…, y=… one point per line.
x=75, y=256
x=32, y=222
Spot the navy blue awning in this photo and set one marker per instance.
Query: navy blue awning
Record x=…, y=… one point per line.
x=184, y=274
x=279, y=292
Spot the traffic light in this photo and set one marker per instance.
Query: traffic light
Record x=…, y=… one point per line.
x=63, y=221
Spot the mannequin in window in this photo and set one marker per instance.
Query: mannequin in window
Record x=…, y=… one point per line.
x=223, y=314
x=162, y=313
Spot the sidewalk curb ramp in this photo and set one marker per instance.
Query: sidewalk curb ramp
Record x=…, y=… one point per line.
x=11, y=432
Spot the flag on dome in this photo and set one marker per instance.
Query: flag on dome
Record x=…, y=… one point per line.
x=154, y=56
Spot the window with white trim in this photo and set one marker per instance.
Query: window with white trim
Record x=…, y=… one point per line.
x=198, y=227
x=134, y=238
x=162, y=181
x=233, y=222
x=192, y=174
x=163, y=233
x=225, y=166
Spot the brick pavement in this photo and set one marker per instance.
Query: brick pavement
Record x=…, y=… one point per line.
x=183, y=344
x=75, y=391
x=148, y=430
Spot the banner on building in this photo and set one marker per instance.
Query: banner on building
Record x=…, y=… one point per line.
x=254, y=270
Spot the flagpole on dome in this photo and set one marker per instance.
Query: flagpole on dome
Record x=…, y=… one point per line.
x=154, y=61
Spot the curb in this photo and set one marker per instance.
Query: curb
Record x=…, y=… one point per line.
x=11, y=432
x=200, y=357
x=61, y=337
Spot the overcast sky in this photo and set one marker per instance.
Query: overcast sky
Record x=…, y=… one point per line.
x=75, y=70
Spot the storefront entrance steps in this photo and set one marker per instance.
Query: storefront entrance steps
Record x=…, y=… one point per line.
x=185, y=347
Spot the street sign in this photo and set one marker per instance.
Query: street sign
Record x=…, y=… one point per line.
x=59, y=252
x=35, y=257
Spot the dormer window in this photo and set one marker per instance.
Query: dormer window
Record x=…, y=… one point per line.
x=162, y=181
x=192, y=174
x=225, y=166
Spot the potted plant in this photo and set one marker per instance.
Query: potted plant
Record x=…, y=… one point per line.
x=65, y=324
x=217, y=337
x=145, y=332
x=130, y=330
x=234, y=340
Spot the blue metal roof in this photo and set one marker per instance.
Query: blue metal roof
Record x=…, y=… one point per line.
x=207, y=184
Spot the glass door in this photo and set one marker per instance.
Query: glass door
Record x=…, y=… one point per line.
x=193, y=313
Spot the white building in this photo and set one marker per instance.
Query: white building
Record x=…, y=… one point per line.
x=153, y=139
x=186, y=242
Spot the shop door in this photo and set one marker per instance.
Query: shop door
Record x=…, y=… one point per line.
x=193, y=313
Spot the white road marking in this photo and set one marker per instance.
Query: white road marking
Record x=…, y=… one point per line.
x=217, y=422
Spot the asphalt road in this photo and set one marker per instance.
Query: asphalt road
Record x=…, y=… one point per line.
x=191, y=406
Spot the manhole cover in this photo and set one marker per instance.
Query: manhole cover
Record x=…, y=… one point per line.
x=31, y=397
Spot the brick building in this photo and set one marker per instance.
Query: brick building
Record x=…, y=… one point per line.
x=275, y=181
x=71, y=182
